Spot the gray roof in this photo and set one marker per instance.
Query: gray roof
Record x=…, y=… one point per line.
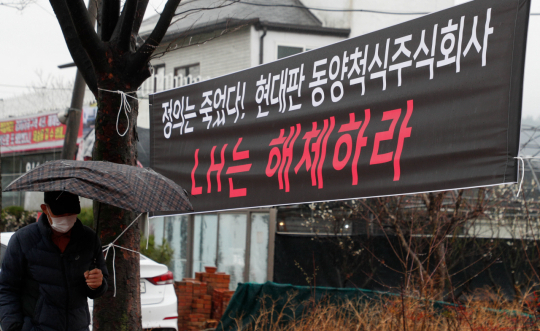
x=195, y=16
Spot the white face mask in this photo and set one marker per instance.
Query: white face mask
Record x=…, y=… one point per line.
x=62, y=224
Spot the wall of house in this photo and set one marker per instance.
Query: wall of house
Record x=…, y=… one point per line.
x=362, y=22
x=275, y=38
x=237, y=50
x=216, y=57
x=225, y=54
x=229, y=53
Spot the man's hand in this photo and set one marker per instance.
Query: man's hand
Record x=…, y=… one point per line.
x=94, y=278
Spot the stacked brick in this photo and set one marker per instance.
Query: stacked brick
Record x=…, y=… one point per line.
x=220, y=301
x=202, y=300
x=184, y=294
x=218, y=280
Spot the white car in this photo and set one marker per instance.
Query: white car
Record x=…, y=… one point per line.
x=4, y=239
x=159, y=306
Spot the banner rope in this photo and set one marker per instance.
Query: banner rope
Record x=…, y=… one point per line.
x=147, y=231
x=106, y=249
x=124, y=104
x=520, y=184
x=522, y=158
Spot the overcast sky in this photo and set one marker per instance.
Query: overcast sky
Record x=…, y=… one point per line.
x=33, y=46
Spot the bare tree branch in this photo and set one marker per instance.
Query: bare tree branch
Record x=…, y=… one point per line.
x=80, y=57
x=143, y=54
x=181, y=40
x=123, y=30
x=425, y=198
x=108, y=18
x=457, y=205
x=141, y=9
x=19, y=5
x=85, y=30
x=410, y=252
x=197, y=10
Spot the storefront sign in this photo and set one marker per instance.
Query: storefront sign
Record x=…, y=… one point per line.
x=430, y=104
x=37, y=132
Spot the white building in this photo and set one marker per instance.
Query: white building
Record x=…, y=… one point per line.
x=209, y=38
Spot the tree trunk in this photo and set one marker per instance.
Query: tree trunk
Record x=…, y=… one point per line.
x=113, y=61
x=410, y=251
x=122, y=312
x=442, y=270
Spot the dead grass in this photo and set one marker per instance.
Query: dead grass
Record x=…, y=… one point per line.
x=396, y=313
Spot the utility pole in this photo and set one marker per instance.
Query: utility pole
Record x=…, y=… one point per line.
x=1, y=219
x=75, y=109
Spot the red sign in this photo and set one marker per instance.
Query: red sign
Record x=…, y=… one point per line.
x=32, y=133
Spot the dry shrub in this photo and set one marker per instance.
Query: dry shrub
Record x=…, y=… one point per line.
x=396, y=313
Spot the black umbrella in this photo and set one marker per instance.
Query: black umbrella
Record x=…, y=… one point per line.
x=120, y=185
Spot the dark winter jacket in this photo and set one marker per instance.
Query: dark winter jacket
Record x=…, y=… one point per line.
x=44, y=289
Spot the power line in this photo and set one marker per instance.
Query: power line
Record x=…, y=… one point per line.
x=331, y=10
x=35, y=87
x=337, y=10
x=45, y=10
x=15, y=5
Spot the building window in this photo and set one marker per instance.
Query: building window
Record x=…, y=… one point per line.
x=187, y=75
x=284, y=51
x=162, y=80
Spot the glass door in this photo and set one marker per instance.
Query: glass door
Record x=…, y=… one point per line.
x=204, y=241
x=231, y=255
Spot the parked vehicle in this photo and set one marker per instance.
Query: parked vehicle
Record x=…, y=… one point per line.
x=4, y=239
x=158, y=298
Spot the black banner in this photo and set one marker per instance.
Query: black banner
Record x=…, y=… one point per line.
x=430, y=104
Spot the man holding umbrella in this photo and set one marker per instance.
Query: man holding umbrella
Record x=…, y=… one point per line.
x=48, y=274
x=45, y=278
